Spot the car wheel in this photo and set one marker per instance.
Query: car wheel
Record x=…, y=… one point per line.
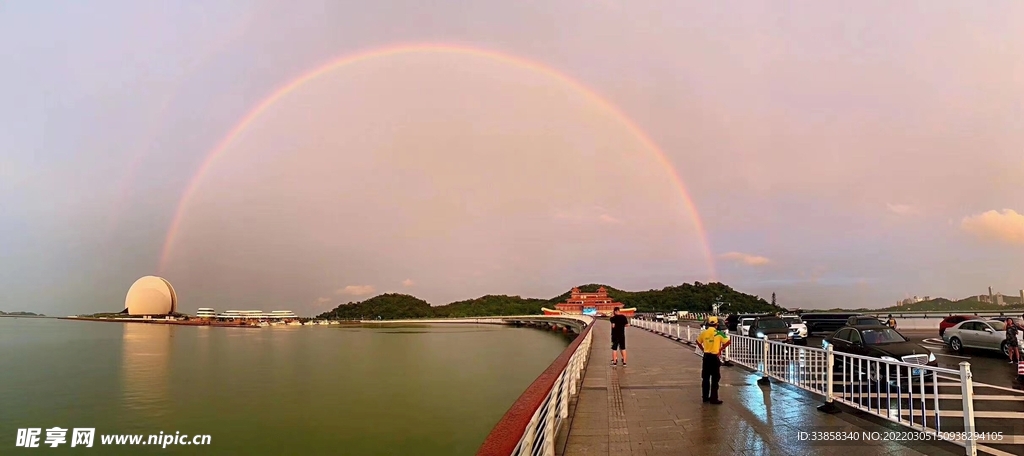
x=1005, y=349
x=955, y=344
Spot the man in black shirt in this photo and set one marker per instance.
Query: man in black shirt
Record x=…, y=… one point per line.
x=619, y=323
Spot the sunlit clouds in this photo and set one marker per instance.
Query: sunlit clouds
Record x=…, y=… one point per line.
x=355, y=290
x=1006, y=226
x=745, y=259
x=901, y=209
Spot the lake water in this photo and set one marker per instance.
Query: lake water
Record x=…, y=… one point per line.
x=430, y=390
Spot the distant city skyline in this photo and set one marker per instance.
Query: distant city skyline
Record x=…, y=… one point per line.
x=302, y=155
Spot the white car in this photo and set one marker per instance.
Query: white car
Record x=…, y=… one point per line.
x=672, y=318
x=744, y=326
x=659, y=316
x=797, y=328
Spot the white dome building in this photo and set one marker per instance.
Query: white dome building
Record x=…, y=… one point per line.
x=151, y=295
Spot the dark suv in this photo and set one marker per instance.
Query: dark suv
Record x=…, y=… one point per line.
x=774, y=328
x=863, y=320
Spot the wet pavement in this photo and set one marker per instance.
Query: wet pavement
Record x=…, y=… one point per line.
x=653, y=407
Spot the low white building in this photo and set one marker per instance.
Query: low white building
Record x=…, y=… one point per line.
x=257, y=315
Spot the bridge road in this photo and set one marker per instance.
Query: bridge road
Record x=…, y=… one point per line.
x=652, y=407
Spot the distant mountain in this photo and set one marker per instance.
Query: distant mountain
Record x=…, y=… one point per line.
x=943, y=304
x=22, y=314
x=697, y=297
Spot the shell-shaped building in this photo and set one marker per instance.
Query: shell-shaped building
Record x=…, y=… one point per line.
x=151, y=295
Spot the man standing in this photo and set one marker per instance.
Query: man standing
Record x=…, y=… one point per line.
x=619, y=323
x=712, y=341
x=891, y=322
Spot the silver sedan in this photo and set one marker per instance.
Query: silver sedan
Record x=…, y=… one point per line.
x=983, y=334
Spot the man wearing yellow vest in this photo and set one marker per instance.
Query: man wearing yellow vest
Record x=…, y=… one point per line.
x=712, y=341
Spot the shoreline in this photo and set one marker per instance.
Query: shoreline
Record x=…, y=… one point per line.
x=164, y=322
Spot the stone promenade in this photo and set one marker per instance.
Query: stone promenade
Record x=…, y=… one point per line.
x=653, y=407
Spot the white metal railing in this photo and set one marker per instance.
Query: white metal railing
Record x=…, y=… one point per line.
x=542, y=431
x=531, y=425
x=901, y=391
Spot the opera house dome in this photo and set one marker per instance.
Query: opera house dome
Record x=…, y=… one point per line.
x=151, y=295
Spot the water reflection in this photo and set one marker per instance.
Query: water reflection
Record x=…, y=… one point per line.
x=145, y=355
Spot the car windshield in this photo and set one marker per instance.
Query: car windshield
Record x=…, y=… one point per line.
x=747, y=321
x=772, y=323
x=793, y=320
x=882, y=336
x=997, y=325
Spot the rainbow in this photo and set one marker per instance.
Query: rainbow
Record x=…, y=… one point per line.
x=427, y=48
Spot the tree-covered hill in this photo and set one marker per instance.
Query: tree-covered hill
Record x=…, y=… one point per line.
x=696, y=297
x=943, y=304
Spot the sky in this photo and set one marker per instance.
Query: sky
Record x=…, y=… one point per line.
x=837, y=154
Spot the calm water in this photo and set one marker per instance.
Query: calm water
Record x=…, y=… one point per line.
x=434, y=390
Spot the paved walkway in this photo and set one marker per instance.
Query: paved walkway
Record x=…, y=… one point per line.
x=653, y=407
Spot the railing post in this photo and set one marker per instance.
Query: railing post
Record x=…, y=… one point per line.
x=830, y=362
x=764, y=363
x=967, y=389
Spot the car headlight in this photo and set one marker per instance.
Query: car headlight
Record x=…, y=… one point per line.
x=931, y=357
x=889, y=358
x=824, y=344
x=760, y=334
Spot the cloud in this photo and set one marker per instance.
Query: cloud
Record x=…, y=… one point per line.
x=745, y=258
x=1006, y=226
x=901, y=209
x=588, y=215
x=355, y=290
x=408, y=283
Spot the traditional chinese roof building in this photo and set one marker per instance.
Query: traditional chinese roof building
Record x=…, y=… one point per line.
x=589, y=303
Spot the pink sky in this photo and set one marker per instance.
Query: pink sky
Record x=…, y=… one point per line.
x=838, y=154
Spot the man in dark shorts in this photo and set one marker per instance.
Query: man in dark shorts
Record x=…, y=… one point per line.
x=619, y=323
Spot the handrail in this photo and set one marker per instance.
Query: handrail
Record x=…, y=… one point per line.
x=524, y=421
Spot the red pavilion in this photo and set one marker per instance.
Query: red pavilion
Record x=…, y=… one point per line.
x=592, y=303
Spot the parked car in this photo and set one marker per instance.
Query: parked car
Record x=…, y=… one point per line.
x=774, y=328
x=825, y=322
x=952, y=321
x=863, y=320
x=745, y=326
x=983, y=334
x=659, y=316
x=883, y=342
x=672, y=318
x=797, y=328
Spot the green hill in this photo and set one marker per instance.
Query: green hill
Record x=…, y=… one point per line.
x=943, y=304
x=697, y=297
x=21, y=314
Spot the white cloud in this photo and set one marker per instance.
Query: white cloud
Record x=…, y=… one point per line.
x=588, y=215
x=901, y=209
x=745, y=258
x=1006, y=226
x=408, y=283
x=355, y=290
